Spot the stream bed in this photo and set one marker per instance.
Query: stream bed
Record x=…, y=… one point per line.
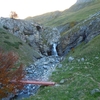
x=40, y=71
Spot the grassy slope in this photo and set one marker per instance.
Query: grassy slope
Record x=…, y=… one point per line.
x=9, y=42
x=69, y=16
x=80, y=78
x=45, y=17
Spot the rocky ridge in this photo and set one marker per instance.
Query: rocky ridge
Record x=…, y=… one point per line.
x=83, y=1
x=84, y=31
x=39, y=37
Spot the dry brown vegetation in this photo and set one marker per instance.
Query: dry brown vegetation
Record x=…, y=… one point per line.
x=13, y=14
x=9, y=72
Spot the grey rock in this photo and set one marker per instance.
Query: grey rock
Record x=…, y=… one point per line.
x=59, y=66
x=18, y=27
x=96, y=57
x=82, y=59
x=94, y=91
x=28, y=32
x=62, y=81
x=70, y=59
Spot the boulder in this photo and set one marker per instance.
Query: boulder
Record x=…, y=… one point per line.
x=70, y=59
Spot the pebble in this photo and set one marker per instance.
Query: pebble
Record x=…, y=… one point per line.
x=96, y=57
x=94, y=91
x=39, y=72
x=60, y=65
x=82, y=59
x=62, y=81
x=70, y=59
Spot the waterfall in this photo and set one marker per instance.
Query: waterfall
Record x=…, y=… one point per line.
x=54, y=50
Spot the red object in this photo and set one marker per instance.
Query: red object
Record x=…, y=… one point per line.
x=38, y=83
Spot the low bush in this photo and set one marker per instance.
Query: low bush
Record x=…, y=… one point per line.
x=9, y=72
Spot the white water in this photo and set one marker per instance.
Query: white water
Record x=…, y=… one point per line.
x=54, y=50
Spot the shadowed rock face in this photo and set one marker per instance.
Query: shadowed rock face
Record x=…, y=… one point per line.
x=83, y=1
x=84, y=31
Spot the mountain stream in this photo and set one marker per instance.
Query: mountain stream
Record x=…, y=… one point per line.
x=39, y=71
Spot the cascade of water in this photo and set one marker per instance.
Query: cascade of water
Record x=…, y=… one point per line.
x=54, y=51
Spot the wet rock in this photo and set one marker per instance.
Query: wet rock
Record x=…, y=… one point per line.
x=40, y=71
x=49, y=36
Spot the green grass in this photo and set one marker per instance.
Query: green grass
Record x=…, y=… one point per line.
x=80, y=78
x=79, y=15
x=9, y=42
x=69, y=15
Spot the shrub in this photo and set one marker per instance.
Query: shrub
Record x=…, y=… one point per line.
x=72, y=24
x=8, y=73
x=13, y=14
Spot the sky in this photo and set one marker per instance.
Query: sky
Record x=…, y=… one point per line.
x=25, y=8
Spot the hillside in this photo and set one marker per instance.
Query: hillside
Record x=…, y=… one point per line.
x=9, y=42
x=76, y=13
x=44, y=18
x=77, y=76
x=71, y=15
x=78, y=79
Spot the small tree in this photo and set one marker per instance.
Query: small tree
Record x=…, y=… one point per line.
x=8, y=73
x=13, y=14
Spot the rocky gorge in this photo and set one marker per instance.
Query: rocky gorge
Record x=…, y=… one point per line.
x=33, y=34
x=37, y=37
x=83, y=31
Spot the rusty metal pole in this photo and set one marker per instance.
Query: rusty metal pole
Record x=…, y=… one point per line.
x=37, y=82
